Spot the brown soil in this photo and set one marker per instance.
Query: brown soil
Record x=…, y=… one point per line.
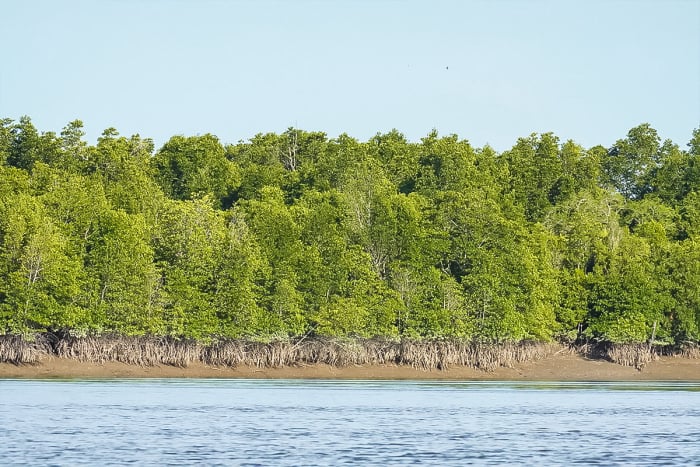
x=558, y=367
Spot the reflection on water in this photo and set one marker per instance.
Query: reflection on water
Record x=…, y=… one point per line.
x=319, y=422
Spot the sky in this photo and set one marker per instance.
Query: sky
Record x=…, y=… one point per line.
x=488, y=71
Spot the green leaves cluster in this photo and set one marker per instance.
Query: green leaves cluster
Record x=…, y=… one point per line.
x=299, y=233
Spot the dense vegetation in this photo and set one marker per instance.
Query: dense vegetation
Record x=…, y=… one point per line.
x=298, y=234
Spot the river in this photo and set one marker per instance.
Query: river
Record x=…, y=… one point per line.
x=320, y=422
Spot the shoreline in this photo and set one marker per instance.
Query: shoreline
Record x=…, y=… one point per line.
x=556, y=367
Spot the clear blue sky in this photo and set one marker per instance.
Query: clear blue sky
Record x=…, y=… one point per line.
x=490, y=71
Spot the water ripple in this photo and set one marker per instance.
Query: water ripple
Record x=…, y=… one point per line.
x=296, y=422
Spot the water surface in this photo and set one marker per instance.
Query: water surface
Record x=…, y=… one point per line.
x=312, y=422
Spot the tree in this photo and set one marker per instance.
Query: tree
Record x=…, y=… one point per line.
x=445, y=164
x=399, y=157
x=505, y=271
x=631, y=162
x=120, y=264
x=339, y=158
x=322, y=221
x=187, y=241
x=385, y=223
x=580, y=170
x=535, y=174
x=296, y=234
x=241, y=272
x=672, y=180
x=628, y=299
x=364, y=306
x=690, y=215
x=683, y=278
x=41, y=281
x=123, y=167
x=25, y=144
x=74, y=153
x=277, y=233
x=190, y=167
x=259, y=162
x=6, y=138
x=588, y=225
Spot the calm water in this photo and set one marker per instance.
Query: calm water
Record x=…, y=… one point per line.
x=282, y=422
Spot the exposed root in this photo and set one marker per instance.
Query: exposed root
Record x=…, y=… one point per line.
x=635, y=355
x=19, y=350
x=137, y=350
x=424, y=354
x=690, y=351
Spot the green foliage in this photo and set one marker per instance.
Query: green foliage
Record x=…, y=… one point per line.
x=190, y=167
x=535, y=171
x=40, y=280
x=241, y=270
x=298, y=234
x=121, y=263
x=631, y=162
x=628, y=327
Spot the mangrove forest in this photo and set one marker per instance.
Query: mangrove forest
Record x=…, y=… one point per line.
x=301, y=235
